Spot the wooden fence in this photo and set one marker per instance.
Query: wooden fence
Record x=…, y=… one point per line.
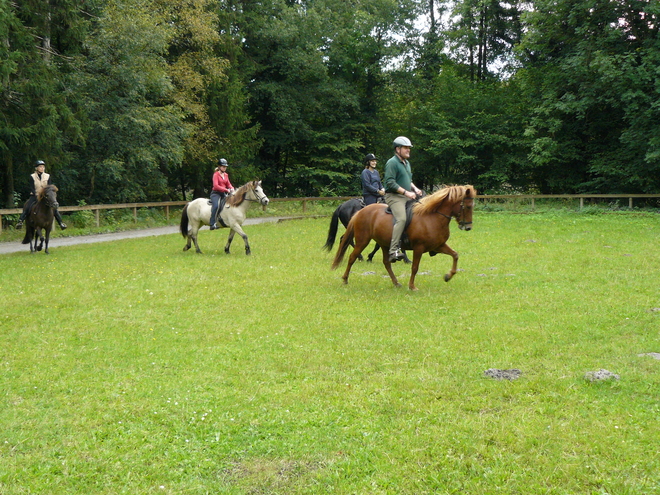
x=304, y=202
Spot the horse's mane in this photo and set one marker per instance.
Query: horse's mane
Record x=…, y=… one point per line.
x=451, y=194
x=44, y=190
x=239, y=195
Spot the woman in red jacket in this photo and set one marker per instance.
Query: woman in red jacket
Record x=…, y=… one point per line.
x=221, y=187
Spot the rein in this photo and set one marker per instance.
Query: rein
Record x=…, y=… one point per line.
x=258, y=200
x=459, y=216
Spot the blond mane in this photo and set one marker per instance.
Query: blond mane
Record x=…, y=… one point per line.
x=451, y=194
x=239, y=196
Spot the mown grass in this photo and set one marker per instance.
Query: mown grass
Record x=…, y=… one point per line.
x=133, y=367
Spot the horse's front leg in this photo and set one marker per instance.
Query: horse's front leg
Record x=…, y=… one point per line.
x=373, y=253
x=47, y=239
x=41, y=240
x=447, y=250
x=388, y=267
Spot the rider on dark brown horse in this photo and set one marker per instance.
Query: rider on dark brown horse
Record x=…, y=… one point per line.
x=38, y=180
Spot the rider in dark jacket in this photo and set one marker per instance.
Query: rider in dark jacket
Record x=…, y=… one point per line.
x=372, y=187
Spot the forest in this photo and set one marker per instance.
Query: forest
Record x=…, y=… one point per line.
x=136, y=100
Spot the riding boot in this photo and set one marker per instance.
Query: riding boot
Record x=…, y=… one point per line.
x=58, y=217
x=26, y=207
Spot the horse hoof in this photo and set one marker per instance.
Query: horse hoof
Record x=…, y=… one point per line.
x=413, y=288
x=447, y=278
x=186, y=248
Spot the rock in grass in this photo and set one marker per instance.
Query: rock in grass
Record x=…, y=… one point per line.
x=654, y=355
x=600, y=375
x=511, y=374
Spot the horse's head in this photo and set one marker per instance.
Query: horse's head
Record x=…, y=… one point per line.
x=256, y=193
x=463, y=209
x=49, y=195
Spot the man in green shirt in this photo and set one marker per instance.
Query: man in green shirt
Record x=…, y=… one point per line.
x=399, y=189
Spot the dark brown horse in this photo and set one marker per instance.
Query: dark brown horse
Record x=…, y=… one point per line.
x=427, y=233
x=39, y=217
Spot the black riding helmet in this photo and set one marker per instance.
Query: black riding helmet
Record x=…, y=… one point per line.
x=369, y=157
x=38, y=163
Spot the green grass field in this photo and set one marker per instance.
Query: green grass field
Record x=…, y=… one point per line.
x=133, y=367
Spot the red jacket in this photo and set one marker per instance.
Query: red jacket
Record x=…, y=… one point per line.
x=220, y=183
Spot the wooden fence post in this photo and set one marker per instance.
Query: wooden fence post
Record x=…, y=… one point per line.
x=135, y=214
x=630, y=203
x=97, y=217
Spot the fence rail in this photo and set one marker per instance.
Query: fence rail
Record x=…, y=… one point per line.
x=304, y=201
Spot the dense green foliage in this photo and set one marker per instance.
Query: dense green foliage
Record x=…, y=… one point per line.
x=131, y=100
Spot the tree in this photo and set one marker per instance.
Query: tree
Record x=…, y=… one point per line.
x=195, y=70
x=135, y=131
x=37, y=120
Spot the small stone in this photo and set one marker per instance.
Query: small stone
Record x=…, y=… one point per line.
x=600, y=375
x=654, y=355
x=511, y=374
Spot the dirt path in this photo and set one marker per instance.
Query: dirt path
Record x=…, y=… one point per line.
x=14, y=247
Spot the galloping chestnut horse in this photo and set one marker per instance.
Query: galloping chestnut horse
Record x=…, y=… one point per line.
x=427, y=233
x=41, y=217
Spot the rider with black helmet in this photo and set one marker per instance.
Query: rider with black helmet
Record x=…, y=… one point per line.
x=372, y=187
x=400, y=189
x=38, y=180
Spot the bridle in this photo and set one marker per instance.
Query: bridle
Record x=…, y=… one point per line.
x=460, y=216
x=259, y=199
x=50, y=203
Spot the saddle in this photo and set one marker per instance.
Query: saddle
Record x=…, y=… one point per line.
x=409, y=215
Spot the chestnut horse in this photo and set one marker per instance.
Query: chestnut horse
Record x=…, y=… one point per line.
x=39, y=217
x=344, y=213
x=427, y=233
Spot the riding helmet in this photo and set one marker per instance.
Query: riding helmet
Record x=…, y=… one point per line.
x=39, y=162
x=402, y=141
x=369, y=157
x=222, y=162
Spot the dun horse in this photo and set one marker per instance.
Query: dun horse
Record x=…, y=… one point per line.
x=41, y=217
x=198, y=213
x=428, y=231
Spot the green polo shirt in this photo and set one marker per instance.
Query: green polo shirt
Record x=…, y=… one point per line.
x=397, y=174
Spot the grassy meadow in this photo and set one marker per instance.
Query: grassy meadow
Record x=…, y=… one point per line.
x=133, y=367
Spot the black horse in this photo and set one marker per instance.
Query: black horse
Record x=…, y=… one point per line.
x=345, y=212
x=39, y=217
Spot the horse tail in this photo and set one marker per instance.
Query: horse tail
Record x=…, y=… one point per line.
x=332, y=232
x=346, y=240
x=183, y=227
x=28, y=236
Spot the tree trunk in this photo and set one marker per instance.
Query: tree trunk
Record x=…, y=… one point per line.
x=8, y=179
